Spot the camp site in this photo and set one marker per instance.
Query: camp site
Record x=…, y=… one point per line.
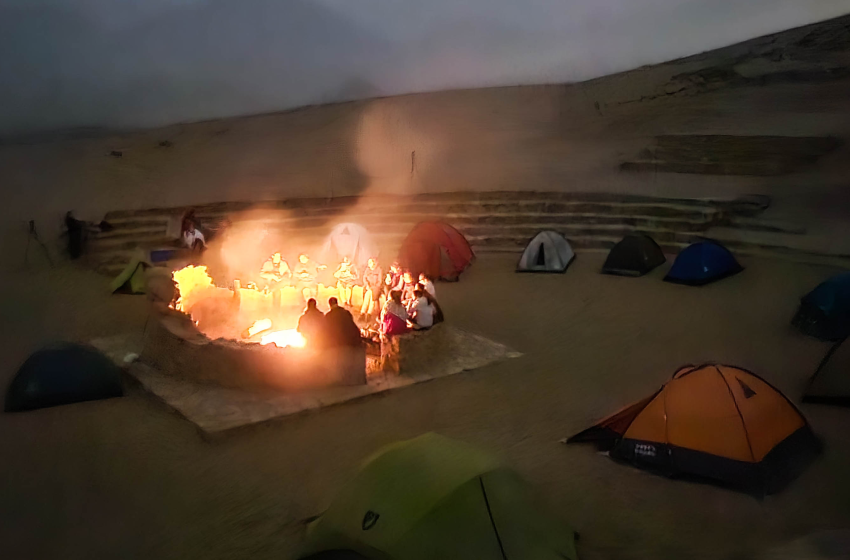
x=324, y=280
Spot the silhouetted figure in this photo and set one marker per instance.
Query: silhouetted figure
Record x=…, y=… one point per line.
x=76, y=235
x=311, y=323
x=339, y=327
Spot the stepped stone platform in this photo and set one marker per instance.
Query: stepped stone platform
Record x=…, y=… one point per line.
x=731, y=155
x=216, y=409
x=491, y=221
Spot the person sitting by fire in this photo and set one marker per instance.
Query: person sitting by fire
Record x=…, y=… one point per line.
x=420, y=310
x=438, y=311
x=274, y=270
x=190, y=232
x=311, y=323
x=394, y=316
x=426, y=283
x=304, y=274
x=394, y=280
x=346, y=277
x=408, y=288
x=338, y=327
x=372, y=289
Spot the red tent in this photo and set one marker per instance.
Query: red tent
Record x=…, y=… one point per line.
x=437, y=249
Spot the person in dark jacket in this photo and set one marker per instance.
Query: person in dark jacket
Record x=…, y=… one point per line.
x=311, y=323
x=339, y=327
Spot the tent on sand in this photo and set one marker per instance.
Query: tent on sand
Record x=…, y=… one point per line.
x=437, y=249
x=349, y=240
x=634, y=255
x=703, y=263
x=132, y=278
x=824, y=313
x=63, y=374
x=549, y=251
x=433, y=497
x=830, y=383
x=714, y=422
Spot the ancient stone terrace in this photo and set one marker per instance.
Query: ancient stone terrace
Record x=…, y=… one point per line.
x=494, y=221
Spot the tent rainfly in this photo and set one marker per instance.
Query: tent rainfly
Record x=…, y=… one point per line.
x=702, y=263
x=132, y=278
x=63, y=374
x=715, y=422
x=824, y=313
x=433, y=497
x=830, y=384
x=436, y=249
x=634, y=255
x=349, y=240
x=549, y=251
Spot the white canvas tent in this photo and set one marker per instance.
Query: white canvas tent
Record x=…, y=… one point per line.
x=547, y=252
x=349, y=240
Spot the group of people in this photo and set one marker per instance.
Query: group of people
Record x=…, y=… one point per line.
x=395, y=301
x=408, y=304
x=276, y=273
x=414, y=306
x=333, y=329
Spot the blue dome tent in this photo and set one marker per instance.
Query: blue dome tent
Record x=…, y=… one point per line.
x=702, y=263
x=824, y=312
x=63, y=374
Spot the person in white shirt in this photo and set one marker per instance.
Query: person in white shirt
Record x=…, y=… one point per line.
x=421, y=311
x=428, y=285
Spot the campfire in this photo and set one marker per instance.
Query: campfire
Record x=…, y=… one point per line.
x=245, y=336
x=248, y=313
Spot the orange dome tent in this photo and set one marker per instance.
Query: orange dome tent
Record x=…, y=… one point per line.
x=712, y=421
x=437, y=249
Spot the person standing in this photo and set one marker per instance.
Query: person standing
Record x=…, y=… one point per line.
x=372, y=288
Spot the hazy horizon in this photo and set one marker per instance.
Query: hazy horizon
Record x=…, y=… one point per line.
x=144, y=63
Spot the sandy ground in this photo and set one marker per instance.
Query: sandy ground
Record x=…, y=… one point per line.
x=128, y=478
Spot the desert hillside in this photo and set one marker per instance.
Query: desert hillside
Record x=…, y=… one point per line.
x=711, y=125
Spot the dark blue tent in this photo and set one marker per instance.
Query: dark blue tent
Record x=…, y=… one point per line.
x=702, y=263
x=63, y=374
x=824, y=312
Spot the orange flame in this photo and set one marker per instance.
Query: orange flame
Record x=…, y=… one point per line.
x=191, y=282
x=282, y=339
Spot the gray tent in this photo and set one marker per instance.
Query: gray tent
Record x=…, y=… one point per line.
x=831, y=382
x=547, y=252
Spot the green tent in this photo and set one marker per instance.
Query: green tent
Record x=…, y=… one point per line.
x=433, y=497
x=132, y=278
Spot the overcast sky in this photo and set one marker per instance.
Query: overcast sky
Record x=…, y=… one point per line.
x=68, y=63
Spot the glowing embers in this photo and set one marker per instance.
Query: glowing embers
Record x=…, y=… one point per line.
x=283, y=339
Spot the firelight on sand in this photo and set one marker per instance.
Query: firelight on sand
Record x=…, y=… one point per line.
x=282, y=339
